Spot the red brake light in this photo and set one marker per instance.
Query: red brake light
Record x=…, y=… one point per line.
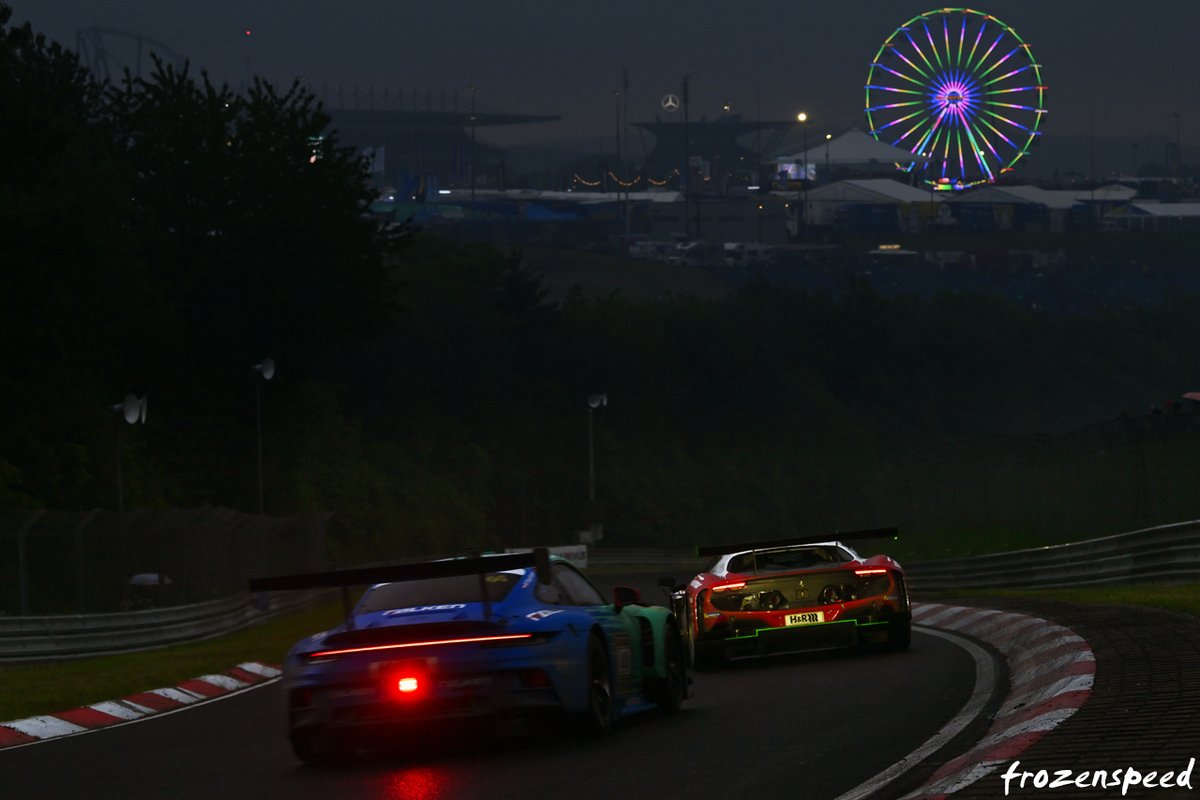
x=403, y=645
x=862, y=573
x=729, y=587
x=405, y=684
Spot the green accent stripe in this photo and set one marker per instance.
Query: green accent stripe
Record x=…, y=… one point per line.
x=812, y=625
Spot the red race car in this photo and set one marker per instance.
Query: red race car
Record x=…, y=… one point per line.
x=792, y=595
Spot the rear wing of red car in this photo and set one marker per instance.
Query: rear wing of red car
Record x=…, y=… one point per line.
x=722, y=549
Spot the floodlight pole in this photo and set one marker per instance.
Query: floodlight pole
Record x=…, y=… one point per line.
x=802, y=118
x=120, y=481
x=828, y=136
x=471, y=170
x=267, y=370
x=133, y=411
x=594, y=401
x=687, y=166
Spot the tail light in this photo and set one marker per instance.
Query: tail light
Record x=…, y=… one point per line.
x=405, y=685
x=510, y=638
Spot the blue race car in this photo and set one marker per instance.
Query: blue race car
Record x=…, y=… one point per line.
x=494, y=635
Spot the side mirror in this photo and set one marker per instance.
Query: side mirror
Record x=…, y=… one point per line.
x=625, y=596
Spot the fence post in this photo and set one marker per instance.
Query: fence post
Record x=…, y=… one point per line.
x=77, y=536
x=23, y=561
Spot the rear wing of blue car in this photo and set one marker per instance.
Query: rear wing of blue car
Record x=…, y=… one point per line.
x=722, y=549
x=538, y=558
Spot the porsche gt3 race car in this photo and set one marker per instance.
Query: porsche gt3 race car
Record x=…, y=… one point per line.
x=462, y=638
x=792, y=595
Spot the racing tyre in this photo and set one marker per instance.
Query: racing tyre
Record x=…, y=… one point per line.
x=598, y=718
x=314, y=747
x=899, y=634
x=675, y=684
x=709, y=655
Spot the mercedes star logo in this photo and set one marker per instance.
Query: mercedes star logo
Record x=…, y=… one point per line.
x=670, y=102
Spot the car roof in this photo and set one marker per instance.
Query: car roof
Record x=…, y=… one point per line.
x=782, y=548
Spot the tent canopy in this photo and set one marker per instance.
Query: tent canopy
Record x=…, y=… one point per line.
x=852, y=147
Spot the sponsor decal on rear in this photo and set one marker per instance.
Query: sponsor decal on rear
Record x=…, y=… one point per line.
x=424, y=609
x=542, y=614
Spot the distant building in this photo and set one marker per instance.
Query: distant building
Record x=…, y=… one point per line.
x=419, y=134
x=875, y=205
x=720, y=153
x=853, y=154
x=1152, y=216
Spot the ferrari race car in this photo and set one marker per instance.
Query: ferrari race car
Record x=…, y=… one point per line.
x=489, y=636
x=792, y=595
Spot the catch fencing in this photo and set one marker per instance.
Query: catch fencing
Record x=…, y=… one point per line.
x=103, y=562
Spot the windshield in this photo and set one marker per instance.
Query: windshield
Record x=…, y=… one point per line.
x=451, y=590
x=793, y=558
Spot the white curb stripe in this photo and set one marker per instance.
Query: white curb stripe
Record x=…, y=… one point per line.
x=932, y=618
x=260, y=669
x=1038, y=724
x=116, y=710
x=224, y=681
x=45, y=727
x=1055, y=664
x=177, y=694
x=138, y=707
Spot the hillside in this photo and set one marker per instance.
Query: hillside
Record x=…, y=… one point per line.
x=601, y=275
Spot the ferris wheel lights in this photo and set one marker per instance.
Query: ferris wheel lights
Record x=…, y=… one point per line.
x=962, y=73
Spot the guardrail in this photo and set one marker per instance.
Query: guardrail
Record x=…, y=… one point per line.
x=77, y=635
x=1168, y=554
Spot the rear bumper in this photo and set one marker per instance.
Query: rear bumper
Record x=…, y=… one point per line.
x=371, y=712
x=801, y=638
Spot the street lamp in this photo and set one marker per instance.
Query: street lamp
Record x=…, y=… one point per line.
x=133, y=410
x=617, y=170
x=471, y=169
x=267, y=370
x=1178, y=145
x=802, y=118
x=828, y=136
x=594, y=401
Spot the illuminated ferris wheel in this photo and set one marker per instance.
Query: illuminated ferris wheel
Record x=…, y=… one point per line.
x=961, y=91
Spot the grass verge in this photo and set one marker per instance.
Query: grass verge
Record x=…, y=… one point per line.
x=30, y=689
x=1185, y=598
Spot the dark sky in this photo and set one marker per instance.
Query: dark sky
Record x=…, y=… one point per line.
x=1124, y=67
